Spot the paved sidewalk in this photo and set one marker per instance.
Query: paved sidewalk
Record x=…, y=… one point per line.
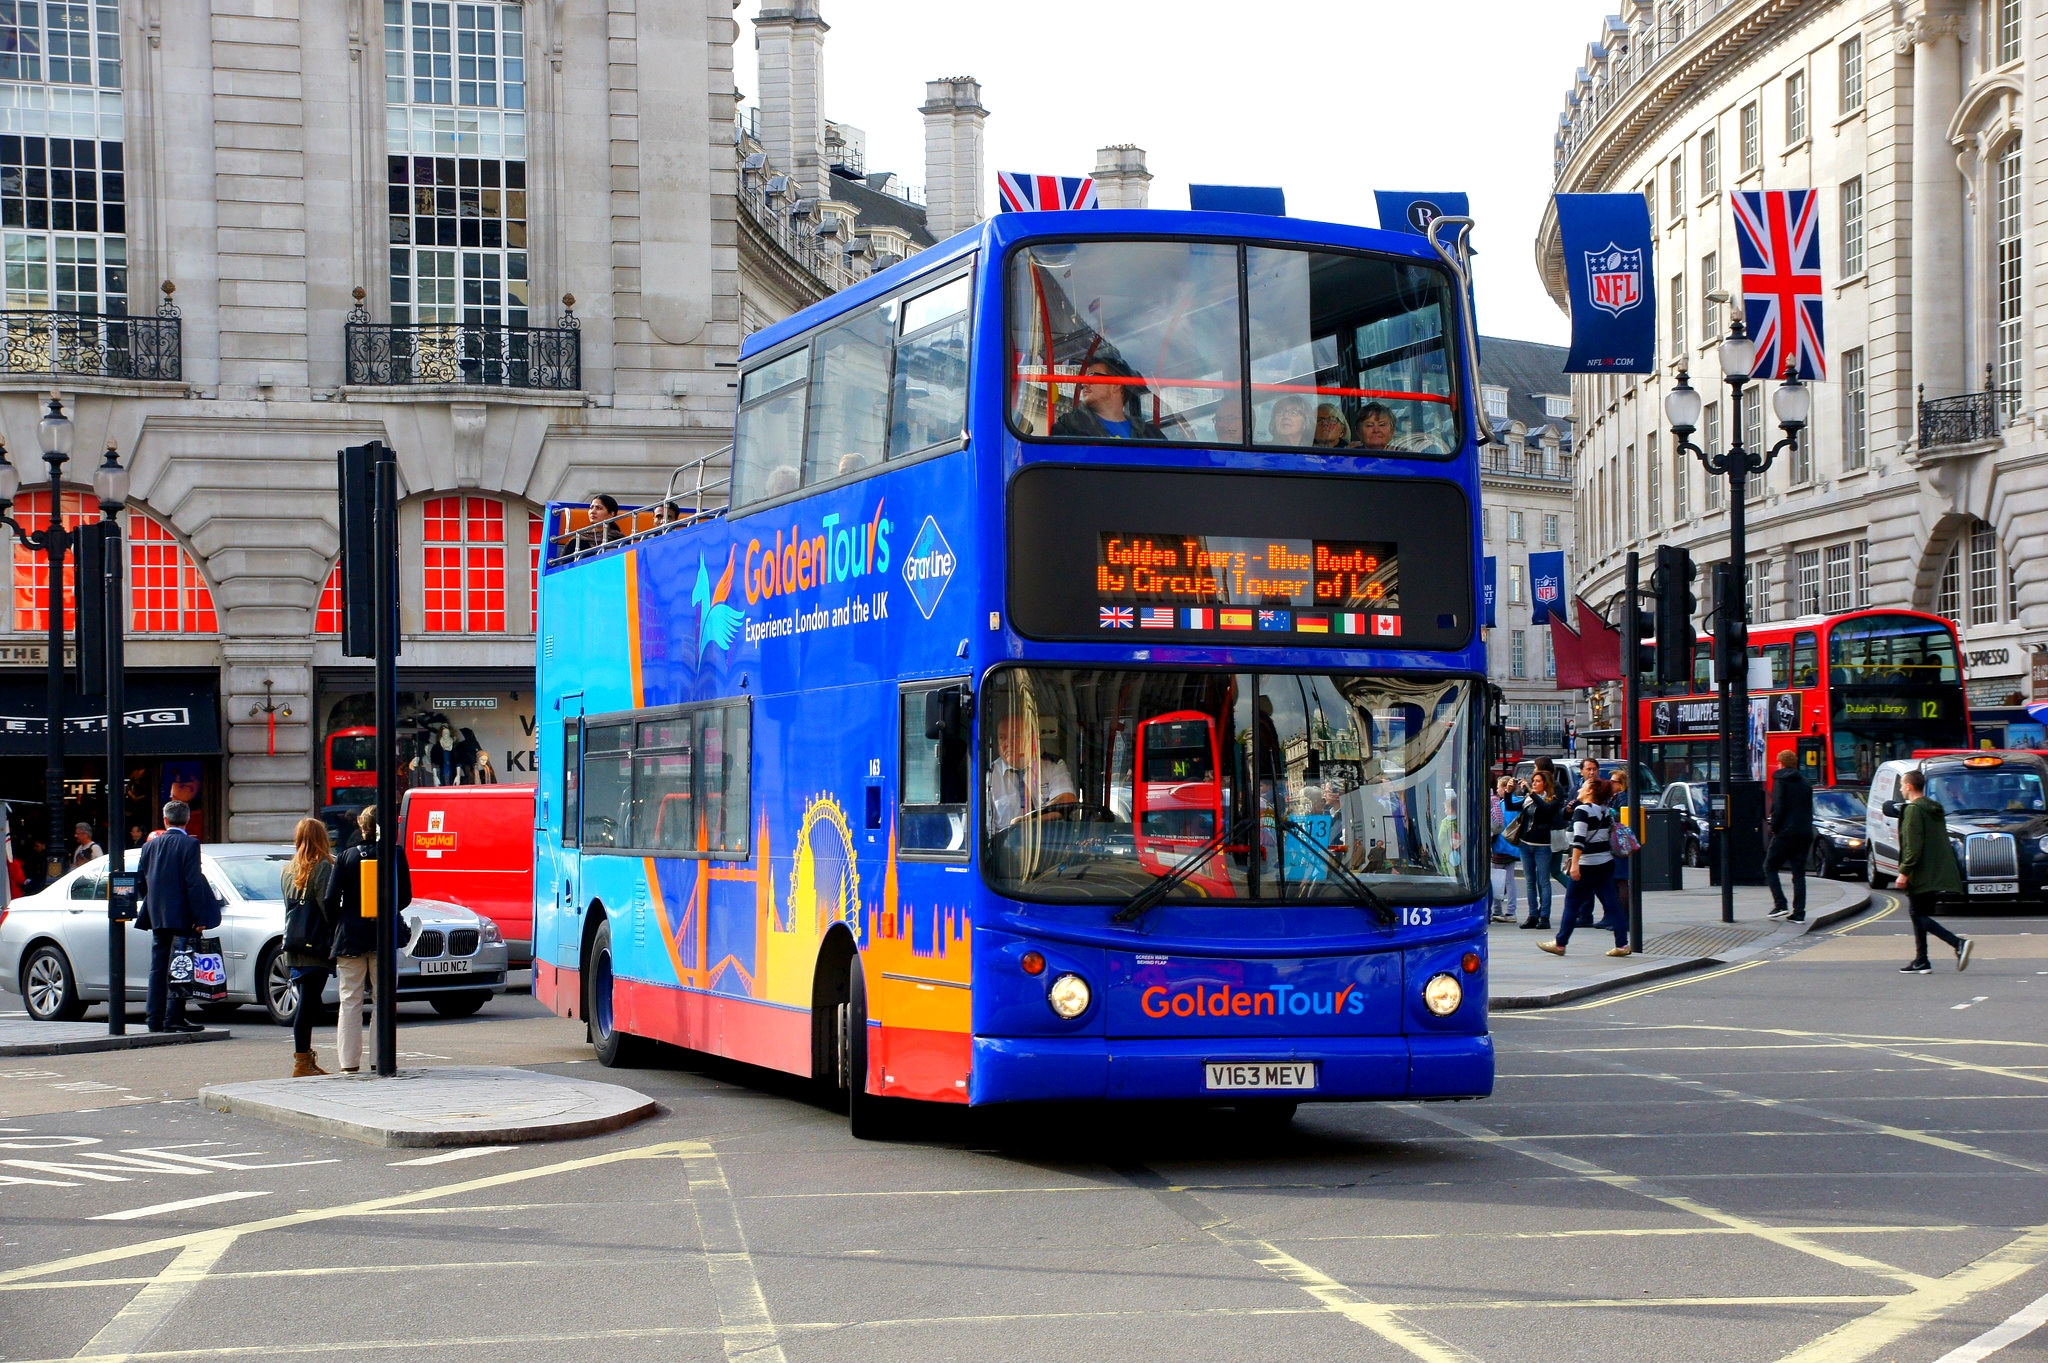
x=442, y=1105
x=21, y=1035
x=1682, y=930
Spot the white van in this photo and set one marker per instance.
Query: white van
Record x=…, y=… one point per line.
x=1880, y=830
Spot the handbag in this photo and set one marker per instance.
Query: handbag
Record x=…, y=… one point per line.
x=1626, y=843
x=304, y=928
x=199, y=970
x=1560, y=840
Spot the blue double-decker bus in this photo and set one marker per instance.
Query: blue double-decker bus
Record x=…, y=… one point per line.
x=1077, y=695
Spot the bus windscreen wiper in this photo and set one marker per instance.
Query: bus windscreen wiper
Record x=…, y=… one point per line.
x=1365, y=893
x=1145, y=900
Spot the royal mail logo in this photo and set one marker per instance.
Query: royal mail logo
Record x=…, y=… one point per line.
x=433, y=842
x=436, y=820
x=1614, y=278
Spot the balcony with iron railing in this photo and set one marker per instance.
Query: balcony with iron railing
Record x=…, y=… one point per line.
x=41, y=343
x=465, y=354
x=1966, y=418
x=1540, y=465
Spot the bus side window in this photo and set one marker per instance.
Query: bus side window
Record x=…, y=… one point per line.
x=931, y=787
x=572, y=808
x=1806, y=659
x=607, y=789
x=930, y=401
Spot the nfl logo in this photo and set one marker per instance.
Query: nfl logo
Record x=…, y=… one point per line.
x=1546, y=591
x=1615, y=279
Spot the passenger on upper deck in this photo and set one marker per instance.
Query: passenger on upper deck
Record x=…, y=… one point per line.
x=604, y=519
x=1113, y=410
x=1330, y=428
x=1287, y=421
x=1229, y=421
x=1376, y=428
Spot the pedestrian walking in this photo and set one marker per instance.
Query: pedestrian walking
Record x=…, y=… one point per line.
x=1927, y=869
x=179, y=905
x=1507, y=810
x=355, y=937
x=1618, y=804
x=87, y=851
x=1592, y=869
x=1542, y=807
x=1791, y=836
x=308, y=934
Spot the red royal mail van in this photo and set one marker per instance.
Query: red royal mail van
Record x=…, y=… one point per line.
x=473, y=846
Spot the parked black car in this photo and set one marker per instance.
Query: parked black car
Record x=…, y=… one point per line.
x=1689, y=799
x=1841, y=845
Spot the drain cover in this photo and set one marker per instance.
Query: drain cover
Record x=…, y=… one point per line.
x=1702, y=941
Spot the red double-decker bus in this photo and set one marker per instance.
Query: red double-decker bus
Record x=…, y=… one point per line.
x=1845, y=692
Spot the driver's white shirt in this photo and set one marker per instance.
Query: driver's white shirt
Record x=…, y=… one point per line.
x=1016, y=791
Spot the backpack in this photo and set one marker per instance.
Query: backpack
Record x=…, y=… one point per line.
x=1625, y=842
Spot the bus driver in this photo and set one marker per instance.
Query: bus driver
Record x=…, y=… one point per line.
x=1019, y=786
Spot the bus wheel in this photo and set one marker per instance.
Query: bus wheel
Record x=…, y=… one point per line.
x=873, y=1118
x=614, y=1048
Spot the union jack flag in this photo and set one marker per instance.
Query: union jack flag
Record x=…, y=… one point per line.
x=1778, y=234
x=1117, y=617
x=1019, y=193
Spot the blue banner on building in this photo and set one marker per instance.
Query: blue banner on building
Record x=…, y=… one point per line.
x=1402, y=211
x=1610, y=272
x=1269, y=200
x=1546, y=579
x=1489, y=590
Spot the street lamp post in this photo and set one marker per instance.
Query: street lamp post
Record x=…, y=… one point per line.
x=110, y=486
x=1793, y=405
x=54, y=433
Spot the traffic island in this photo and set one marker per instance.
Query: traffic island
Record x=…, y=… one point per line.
x=26, y=1036
x=444, y=1105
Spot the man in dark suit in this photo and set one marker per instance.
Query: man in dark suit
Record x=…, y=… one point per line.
x=180, y=905
x=1791, y=835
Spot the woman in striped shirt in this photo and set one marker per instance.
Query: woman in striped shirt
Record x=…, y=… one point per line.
x=1592, y=869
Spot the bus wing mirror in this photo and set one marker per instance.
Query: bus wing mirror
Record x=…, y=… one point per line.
x=946, y=714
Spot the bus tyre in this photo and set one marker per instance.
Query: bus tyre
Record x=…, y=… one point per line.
x=615, y=1049
x=461, y=1005
x=873, y=1118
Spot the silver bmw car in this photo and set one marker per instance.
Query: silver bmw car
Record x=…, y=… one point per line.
x=53, y=944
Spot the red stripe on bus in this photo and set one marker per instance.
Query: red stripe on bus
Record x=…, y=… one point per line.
x=915, y=1062
x=740, y=1029
x=1055, y=380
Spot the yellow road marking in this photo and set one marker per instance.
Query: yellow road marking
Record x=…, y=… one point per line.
x=1896, y=1319
x=1854, y=924
x=134, y=1323
x=71, y=1263
x=745, y=1327
x=1653, y=989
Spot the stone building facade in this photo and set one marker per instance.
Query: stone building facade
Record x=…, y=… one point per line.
x=1923, y=481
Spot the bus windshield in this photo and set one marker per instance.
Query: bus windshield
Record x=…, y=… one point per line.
x=1884, y=650
x=1143, y=340
x=1267, y=786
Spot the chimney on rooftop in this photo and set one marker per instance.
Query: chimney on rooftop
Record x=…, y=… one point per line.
x=789, y=35
x=952, y=154
x=1121, y=180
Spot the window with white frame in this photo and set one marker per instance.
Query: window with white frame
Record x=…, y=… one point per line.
x=1752, y=147
x=1486, y=522
x=1557, y=405
x=455, y=131
x=1795, y=108
x=1653, y=489
x=1802, y=460
x=1628, y=479
x=1753, y=435
x=1710, y=163
x=1710, y=441
x=1550, y=667
x=2009, y=15
x=1496, y=401
x=1948, y=592
x=1852, y=226
x=1550, y=528
x=1678, y=337
x=1678, y=187
x=1518, y=654
x=1806, y=565
x=1855, y=411
x=63, y=197
x=1681, y=485
x=2006, y=256
x=1836, y=588
x=1710, y=284
x=1518, y=587
x=1849, y=60
x=1515, y=526
x=1759, y=587
x=1862, y=574
x=1983, y=574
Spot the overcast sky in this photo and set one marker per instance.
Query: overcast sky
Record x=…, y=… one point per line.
x=1329, y=99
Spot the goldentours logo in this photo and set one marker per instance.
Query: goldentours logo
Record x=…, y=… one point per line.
x=929, y=567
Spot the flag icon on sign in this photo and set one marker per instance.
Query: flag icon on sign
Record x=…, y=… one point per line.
x=1155, y=617
x=1202, y=618
x=1349, y=622
x=1312, y=624
x=1116, y=617
x=1273, y=619
x=1386, y=624
x=1235, y=619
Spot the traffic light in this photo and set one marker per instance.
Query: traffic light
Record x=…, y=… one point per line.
x=1645, y=660
x=355, y=474
x=1731, y=631
x=1676, y=606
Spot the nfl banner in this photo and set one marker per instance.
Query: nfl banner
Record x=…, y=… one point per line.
x=1489, y=590
x=1609, y=266
x=1401, y=211
x=1016, y=193
x=1546, y=577
x=1777, y=232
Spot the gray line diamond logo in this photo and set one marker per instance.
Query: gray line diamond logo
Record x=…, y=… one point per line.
x=929, y=567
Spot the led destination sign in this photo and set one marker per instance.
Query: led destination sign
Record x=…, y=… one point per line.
x=1226, y=570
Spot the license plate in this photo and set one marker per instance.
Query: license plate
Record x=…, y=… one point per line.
x=453, y=967
x=1995, y=887
x=1293, y=1075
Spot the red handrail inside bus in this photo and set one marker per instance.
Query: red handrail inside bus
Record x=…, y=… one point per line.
x=1055, y=380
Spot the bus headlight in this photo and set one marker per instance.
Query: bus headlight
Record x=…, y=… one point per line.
x=1068, y=996
x=1443, y=994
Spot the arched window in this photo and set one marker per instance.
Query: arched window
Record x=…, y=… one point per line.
x=1967, y=590
x=464, y=578
x=166, y=594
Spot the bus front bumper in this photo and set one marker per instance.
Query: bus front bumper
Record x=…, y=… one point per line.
x=1348, y=1069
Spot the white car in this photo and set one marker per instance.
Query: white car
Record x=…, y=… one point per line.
x=53, y=944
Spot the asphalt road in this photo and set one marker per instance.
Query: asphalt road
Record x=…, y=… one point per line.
x=1807, y=1157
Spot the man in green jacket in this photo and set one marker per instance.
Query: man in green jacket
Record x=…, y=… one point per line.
x=1927, y=867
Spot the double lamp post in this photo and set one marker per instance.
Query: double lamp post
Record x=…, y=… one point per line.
x=55, y=434
x=1792, y=404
